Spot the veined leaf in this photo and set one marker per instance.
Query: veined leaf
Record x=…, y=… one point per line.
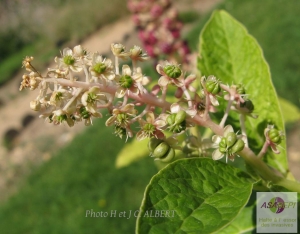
x=244, y=223
x=233, y=56
x=196, y=195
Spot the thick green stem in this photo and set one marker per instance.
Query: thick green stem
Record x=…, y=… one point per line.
x=289, y=184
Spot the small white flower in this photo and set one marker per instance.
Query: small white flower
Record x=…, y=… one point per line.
x=120, y=116
x=35, y=105
x=132, y=82
x=101, y=68
x=68, y=61
x=59, y=97
x=136, y=53
x=92, y=97
x=119, y=50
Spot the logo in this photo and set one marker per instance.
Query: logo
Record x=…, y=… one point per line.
x=276, y=212
x=277, y=204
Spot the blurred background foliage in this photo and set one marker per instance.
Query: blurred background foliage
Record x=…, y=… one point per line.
x=43, y=26
x=82, y=176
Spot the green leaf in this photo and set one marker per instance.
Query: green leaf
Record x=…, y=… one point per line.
x=244, y=223
x=233, y=56
x=205, y=196
x=291, y=113
x=131, y=152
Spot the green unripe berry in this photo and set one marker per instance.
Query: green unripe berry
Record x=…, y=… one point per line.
x=231, y=139
x=168, y=157
x=248, y=105
x=153, y=143
x=178, y=127
x=180, y=117
x=238, y=146
x=274, y=136
x=223, y=145
x=69, y=60
x=222, y=150
x=171, y=119
x=172, y=71
x=161, y=150
x=99, y=68
x=212, y=86
x=126, y=81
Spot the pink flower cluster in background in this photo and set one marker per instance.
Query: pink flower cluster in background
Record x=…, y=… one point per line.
x=159, y=29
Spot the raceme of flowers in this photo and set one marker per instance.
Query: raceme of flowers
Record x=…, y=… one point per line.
x=83, y=84
x=159, y=28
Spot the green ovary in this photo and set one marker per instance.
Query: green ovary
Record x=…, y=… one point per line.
x=99, y=68
x=69, y=60
x=149, y=128
x=126, y=81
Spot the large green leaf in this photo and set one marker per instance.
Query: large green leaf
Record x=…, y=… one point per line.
x=244, y=223
x=204, y=195
x=232, y=55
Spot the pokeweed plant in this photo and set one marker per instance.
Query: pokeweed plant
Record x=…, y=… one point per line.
x=221, y=139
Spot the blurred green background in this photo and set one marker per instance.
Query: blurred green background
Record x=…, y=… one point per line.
x=82, y=176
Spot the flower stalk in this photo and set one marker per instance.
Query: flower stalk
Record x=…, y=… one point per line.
x=73, y=101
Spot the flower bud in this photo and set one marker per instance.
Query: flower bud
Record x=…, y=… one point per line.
x=231, y=139
x=238, y=146
x=172, y=71
x=117, y=49
x=35, y=105
x=79, y=51
x=212, y=86
x=274, y=136
x=161, y=150
x=136, y=51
